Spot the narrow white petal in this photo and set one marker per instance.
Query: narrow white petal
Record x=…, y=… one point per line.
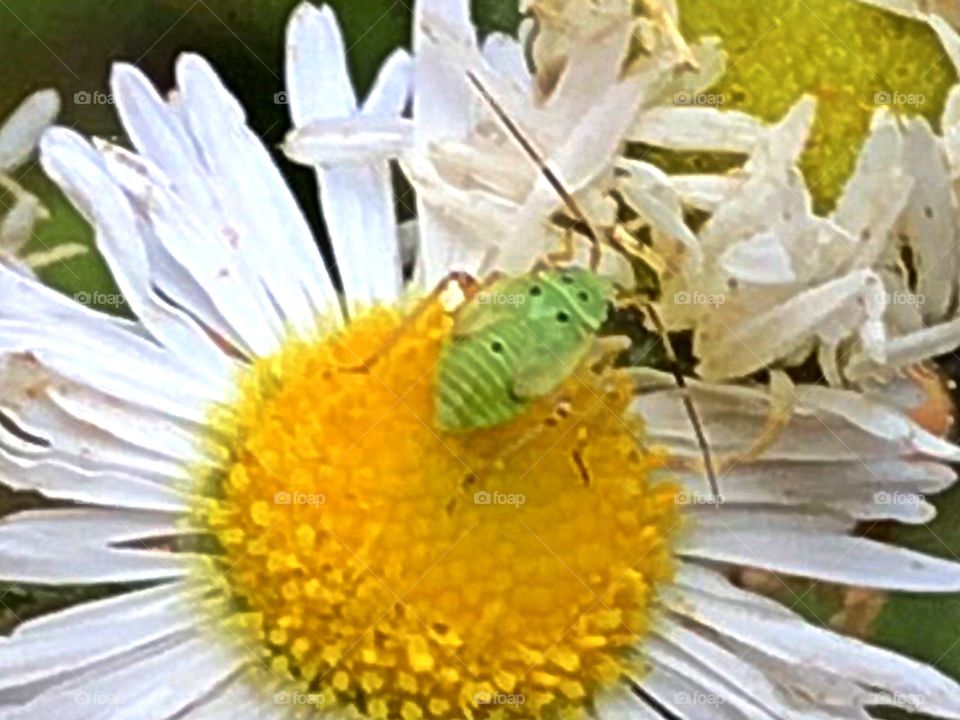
x=63, y=481
x=703, y=129
x=161, y=686
x=907, y=350
x=707, y=599
x=836, y=558
x=22, y=129
x=78, y=169
x=128, y=368
x=71, y=639
x=245, y=697
x=354, y=141
x=32, y=547
x=252, y=193
x=649, y=191
x=392, y=88
x=317, y=76
x=929, y=222
x=356, y=197
x=189, y=260
x=740, y=677
x=685, y=697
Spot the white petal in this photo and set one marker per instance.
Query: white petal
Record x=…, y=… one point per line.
x=78, y=169
x=873, y=198
x=357, y=198
x=33, y=547
x=59, y=480
x=252, y=193
x=245, y=697
x=685, y=697
x=820, y=555
x=929, y=222
x=71, y=639
x=739, y=675
x=702, y=129
x=124, y=367
x=775, y=332
x=649, y=191
x=356, y=141
x=908, y=350
x=162, y=685
x=22, y=129
x=774, y=630
x=190, y=262
x=761, y=260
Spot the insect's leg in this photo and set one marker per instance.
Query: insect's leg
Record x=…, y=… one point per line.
x=782, y=401
x=566, y=253
x=467, y=283
x=627, y=244
x=691, y=410
x=577, y=456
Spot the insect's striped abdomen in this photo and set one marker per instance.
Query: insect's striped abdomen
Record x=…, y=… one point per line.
x=475, y=378
x=518, y=341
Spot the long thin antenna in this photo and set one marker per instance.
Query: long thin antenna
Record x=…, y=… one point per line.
x=541, y=161
x=530, y=149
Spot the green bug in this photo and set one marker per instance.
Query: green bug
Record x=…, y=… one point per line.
x=517, y=341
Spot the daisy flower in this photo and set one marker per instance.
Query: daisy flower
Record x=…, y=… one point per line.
x=835, y=284
x=296, y=535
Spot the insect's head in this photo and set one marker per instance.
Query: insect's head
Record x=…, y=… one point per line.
x=591, y=293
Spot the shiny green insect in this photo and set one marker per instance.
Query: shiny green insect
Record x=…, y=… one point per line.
x=516, y=341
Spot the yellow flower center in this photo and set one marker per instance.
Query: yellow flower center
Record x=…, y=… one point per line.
x=852, y=57
x=385, y=568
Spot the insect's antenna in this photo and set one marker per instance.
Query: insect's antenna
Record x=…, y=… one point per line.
x=530, y=149
x=692, y=413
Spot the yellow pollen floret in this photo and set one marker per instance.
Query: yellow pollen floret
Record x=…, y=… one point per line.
x=395, y=571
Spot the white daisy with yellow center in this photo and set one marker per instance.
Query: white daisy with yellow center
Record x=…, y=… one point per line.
x=298, y=538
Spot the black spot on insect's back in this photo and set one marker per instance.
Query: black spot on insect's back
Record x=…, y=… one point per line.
x=496, y=346
x=563, y=317
x=567, y=279
x=583, y=296
x=536, y=291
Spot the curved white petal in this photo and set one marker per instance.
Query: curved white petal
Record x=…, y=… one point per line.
x=21, y=131
x=250, y=190
x=797, y=545
x=33, y=547
x=356, y=197
x=81, y=173
x=70, y=640
x=702, y=596
x=161, y=686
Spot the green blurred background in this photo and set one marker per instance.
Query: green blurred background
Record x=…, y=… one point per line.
x=69, y=45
